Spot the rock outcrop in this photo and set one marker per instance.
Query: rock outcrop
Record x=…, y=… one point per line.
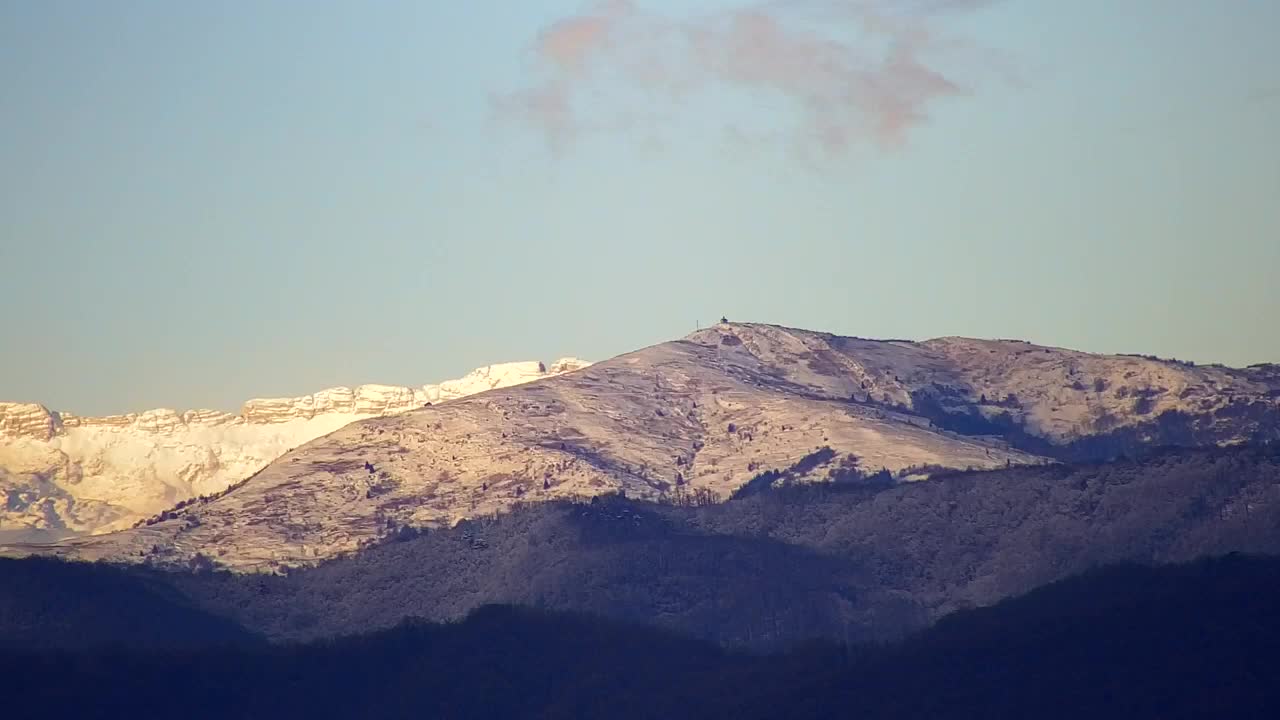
x=28, y=420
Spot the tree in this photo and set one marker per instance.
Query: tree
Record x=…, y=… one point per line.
x=201, y=563
x=702, y=497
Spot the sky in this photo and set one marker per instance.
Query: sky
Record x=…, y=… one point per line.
x=206, y=202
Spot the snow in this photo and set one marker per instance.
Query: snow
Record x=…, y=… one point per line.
x=59, y=471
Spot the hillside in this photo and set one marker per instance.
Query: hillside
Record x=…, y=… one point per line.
x=1128, y=643
x=851, y=561
x=704, y=415
x=785, y=565
x=51, y=605
x=64, y=475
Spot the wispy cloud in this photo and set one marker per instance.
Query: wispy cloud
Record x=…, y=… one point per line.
x=853, y=71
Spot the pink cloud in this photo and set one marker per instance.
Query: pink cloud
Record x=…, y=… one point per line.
x=570, y=43
x=872, y=80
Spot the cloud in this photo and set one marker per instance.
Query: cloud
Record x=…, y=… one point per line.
x=570, y=43
x=850, y=71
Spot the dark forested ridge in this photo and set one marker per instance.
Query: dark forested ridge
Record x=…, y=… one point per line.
x=1127, y=642
x=849, y=562
x=50, y=604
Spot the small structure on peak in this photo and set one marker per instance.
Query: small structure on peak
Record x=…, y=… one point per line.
x=724, y=320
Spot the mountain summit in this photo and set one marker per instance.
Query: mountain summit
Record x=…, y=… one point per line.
x=697, y=419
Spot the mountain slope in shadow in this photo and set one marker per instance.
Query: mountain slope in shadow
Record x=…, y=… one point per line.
x=49, y=604
x=1123, y=642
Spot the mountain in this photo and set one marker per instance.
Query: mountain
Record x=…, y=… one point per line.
x=1124, y=642
x=702, y=417
x=62, y=474
x=853, y=561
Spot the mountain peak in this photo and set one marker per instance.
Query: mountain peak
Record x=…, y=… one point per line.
x=733, y=406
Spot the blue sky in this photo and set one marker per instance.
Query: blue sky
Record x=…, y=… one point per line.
x=204, y=202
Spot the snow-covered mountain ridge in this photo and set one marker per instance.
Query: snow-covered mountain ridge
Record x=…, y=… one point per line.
x=68, y=474
x=702, y=417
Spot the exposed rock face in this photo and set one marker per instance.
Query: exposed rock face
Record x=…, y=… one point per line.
x=705, y=415
x=363, y=400
x=27, y=420
x=70, y=474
